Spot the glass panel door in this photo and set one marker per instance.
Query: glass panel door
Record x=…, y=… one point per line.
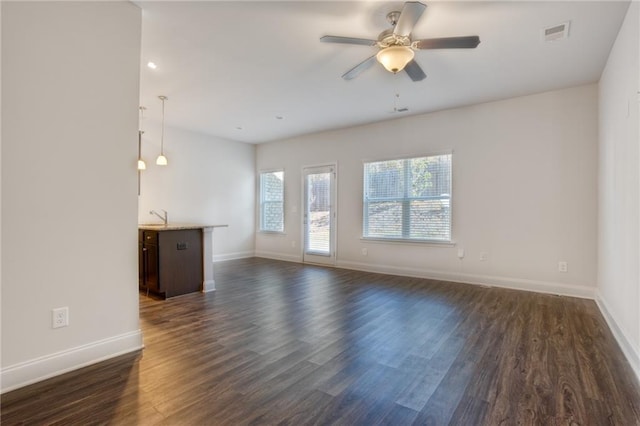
x=319, y=215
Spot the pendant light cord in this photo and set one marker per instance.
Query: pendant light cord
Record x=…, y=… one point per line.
x=162, y=134
x=140, y=132
x=162, y=160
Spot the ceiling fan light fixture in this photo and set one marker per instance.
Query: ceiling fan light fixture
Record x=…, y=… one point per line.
x=395, y=58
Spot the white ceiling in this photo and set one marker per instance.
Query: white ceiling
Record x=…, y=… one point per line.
x=225, y=65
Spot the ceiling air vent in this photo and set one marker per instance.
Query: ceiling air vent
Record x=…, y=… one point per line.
x=557, y=32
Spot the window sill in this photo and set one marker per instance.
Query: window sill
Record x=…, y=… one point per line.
x=272, y=232
x=432, y=243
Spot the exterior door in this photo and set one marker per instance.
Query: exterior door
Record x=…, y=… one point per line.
x=319, y=215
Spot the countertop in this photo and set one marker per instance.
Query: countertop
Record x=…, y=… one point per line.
x=175, y=226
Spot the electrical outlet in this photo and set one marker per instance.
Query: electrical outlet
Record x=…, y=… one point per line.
x=460, y=253
x=365, y=251
x=60, y=317
x=563, y=266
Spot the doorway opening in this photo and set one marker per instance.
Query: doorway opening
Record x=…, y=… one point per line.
x=319, y=218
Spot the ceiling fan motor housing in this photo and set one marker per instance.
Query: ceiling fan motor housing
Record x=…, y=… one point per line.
x=388, y=38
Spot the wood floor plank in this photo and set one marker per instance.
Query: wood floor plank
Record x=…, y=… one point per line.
x=292, y=344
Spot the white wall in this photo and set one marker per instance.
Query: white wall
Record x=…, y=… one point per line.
x=208, y=181
x=0, y=197
x=619, y=189
x=70, y=76
x=524, y=191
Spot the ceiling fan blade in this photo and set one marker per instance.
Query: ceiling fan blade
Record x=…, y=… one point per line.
x=347, y=40
x=411, y=12
x=362, y=66
x=414, y=71
x=468, y=42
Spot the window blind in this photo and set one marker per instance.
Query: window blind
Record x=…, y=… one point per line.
x=272, y=201
x=408, y=199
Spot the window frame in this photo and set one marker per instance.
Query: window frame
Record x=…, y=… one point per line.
x=261, y=202
x=406, y=201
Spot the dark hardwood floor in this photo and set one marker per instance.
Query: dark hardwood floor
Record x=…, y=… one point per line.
x=289, y=344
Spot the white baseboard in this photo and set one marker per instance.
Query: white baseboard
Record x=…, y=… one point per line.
x=461, y=277
x=232, y=256
x=208, y=286
x=279, y=256
x=32, y=371
x=630, y=352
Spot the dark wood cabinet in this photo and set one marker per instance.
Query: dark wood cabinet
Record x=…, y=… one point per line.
x=170, y=261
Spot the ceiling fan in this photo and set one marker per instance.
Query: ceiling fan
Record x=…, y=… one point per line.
x=396, y=46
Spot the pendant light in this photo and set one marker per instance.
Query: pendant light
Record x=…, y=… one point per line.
x=141, y=164
x=162, y=160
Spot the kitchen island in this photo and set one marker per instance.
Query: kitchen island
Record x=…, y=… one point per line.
x=176, y=258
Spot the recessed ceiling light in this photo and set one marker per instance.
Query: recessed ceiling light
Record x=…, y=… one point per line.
x=152, y=65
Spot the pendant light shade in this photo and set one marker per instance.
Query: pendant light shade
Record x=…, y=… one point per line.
x=395, y=58
x=141, y=164
x=162, y=160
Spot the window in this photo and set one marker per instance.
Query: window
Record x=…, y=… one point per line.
x=272, y=201
x=408, y=199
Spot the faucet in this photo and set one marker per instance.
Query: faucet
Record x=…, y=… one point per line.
x=165, y=217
